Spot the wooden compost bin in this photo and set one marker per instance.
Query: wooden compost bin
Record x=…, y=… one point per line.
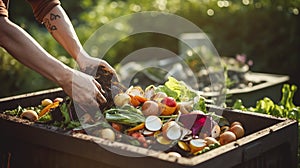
x=269, y=143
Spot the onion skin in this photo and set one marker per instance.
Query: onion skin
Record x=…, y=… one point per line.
x=58, y=99
x=121, y=99
x=30, y=115
x=150, y=108
x=46, y=102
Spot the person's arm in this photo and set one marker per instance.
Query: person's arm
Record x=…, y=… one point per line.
x=59, y=25
x=81, y=87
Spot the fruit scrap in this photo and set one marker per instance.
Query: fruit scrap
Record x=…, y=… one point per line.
x=149, y=91
x=168, y=106
x=211, y=140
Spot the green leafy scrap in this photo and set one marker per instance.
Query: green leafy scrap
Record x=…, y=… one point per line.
x=178, y=90
x=126, y=115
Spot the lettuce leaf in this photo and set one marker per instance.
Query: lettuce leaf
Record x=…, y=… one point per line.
x=178, y=90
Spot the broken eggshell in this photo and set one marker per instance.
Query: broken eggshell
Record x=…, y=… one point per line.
x=149, y=92
x=135, y=91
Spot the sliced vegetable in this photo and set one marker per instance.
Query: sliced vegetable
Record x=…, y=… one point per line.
x=133, y=101
x=197, y=145
x=153, y=123
x=171, y=130
x=136, y=128
x=197, y=123
x=48, y=108
x=30, y=115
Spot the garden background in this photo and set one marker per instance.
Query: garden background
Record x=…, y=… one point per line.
x=266, y=31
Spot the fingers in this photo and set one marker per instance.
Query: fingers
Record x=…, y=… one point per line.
x=98, y=86
x=99, y=94
x=86, y=90
x=100, y=98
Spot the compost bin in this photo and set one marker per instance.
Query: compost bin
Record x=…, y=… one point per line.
x=268, y=142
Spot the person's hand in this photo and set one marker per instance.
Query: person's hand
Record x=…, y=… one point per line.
x=90, y=65
x=84, y=89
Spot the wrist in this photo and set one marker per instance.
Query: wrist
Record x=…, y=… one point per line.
x=82, y=59
x=64, y=77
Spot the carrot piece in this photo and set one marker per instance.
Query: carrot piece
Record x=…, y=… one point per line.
x=141, y=99
x=48, y=108
x=136, y=128
x=133, y=101
x=116, y=126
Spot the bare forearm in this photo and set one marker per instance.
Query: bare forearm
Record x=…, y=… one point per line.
x=25, y=49
x=59, y=25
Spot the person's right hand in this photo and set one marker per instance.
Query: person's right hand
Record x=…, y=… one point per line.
x=84, y=89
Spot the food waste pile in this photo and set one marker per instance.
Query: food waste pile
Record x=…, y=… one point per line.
x=171, y=117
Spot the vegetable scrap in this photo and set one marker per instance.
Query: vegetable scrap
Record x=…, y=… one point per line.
x=171, y=117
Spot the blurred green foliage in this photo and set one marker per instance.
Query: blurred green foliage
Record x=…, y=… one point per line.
x=267, y=31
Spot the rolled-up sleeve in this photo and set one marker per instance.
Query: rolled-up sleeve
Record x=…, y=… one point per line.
x=42, y=7
x=3, y=8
